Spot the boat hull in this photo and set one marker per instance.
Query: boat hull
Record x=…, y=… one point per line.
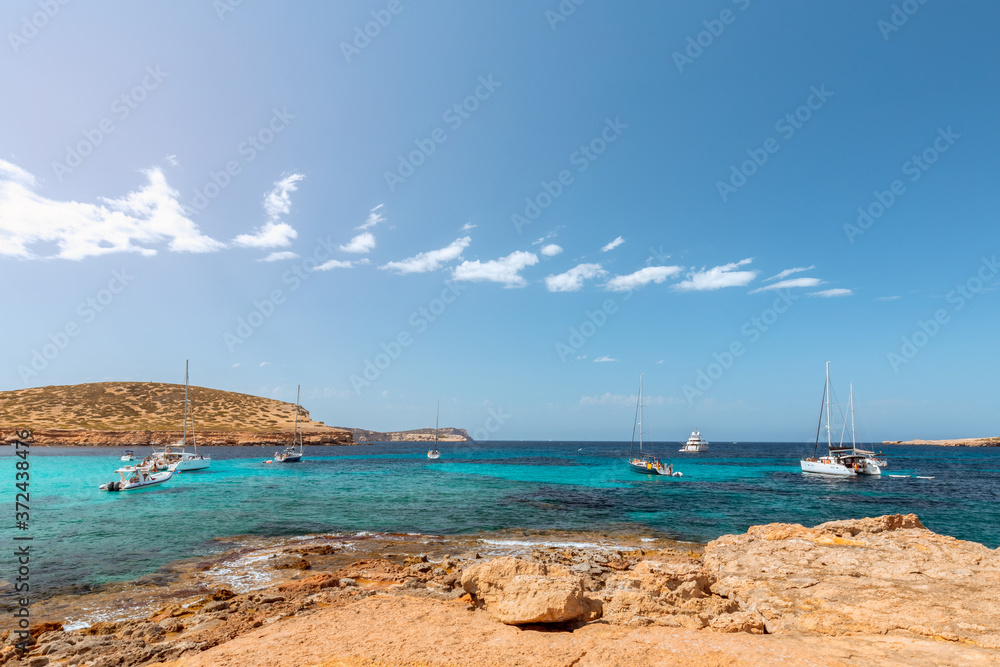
x=823, y=468
x=188, y=465
x=690, y=449
x=288, y=458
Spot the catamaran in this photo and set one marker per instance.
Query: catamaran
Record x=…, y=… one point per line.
x=695, y=443
x=646, y=464
x=290, y=455
x=176, y=458
x=840, y=461
x=434, y=453
x=136, y=477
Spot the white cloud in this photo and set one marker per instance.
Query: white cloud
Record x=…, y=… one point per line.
x=279, y=256
x=614, y=244
x=150, y=215
x=787, y=284
x=468, y=227
x=551, y=250
x=660, y=361
x=582, y=356
x=572, y=280
x=641, y=278
x=264, y=363
x=718, y=277
x=788, y=272
x=887, y=298
x=832, y=292
x=374, y=217
x=618, y=399
x=334, y=264
x=236, y=365
x=172, y=160
x=360, y=244
x=431, y=260
x=274, y=233
x=604, y=359
x=505, y=270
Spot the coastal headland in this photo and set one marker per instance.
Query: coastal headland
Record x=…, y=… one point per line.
x=876, y=591
x=960, y=442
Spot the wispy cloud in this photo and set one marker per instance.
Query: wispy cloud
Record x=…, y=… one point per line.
x=172, y=160
x=133, y=223
x=360, y=244
x=613, y=244
x=787, y=284
x=505, y=270
x=431, y=260
x=887, y=298
x=572, y=280
x=832, y=292
x=551, y=250
x=340, y=264
x=467, y=227
x=279, y=256
x=718, y=277
x=641, y=278
x=274, y=233
x=788, y=272
x=604, y=359
x=374, y=217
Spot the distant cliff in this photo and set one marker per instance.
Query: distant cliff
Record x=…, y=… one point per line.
x=445, y=434
x=963, y=442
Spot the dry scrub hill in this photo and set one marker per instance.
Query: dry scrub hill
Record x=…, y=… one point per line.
x=145, y=406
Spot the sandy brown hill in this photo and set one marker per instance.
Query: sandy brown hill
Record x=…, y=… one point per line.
x=133, y=410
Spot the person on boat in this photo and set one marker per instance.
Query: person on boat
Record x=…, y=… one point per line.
x=670, y=469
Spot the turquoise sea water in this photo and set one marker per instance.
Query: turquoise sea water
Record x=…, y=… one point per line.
x=84, y=537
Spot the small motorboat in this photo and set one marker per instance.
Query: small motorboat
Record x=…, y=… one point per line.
x=129, y=455
x=136, y=477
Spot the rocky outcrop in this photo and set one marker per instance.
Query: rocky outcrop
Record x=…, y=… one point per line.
x=868, y=576
x=519, y=592
x=961, y=442
x=445, y=434
x=105, y=438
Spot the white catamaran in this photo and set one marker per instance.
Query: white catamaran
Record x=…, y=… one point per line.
x=840, y=461
x=290, y=455
x=176, y=458
x=434, y=453
x=646, y=464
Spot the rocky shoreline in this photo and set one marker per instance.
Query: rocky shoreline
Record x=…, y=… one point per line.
x=961, y=442
x=142, y=438
x=871, y=591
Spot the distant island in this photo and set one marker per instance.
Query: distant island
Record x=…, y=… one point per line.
x=962, y=442
x=135, y=414
x=445, y=434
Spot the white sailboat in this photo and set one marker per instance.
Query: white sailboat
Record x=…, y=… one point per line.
x=643, y=463
x=695, y=443
x=840, y=461
x=176, y=458
x=290, y=455
x=434, y=453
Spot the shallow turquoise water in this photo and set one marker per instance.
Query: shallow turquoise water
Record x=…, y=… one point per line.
x=83, y=537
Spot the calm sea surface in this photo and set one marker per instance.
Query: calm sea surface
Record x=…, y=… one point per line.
x=84, y=537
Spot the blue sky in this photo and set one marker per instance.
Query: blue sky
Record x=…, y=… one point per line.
x=513, y=208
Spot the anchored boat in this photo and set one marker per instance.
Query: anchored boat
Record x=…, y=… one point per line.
x=695, y=443
x=136, y=477
x=434, y=453
x=644, y=462
x=290, y=455
x=176, y=458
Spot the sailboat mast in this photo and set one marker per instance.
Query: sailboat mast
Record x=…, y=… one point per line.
x=829, y=441
x=640, y=414
x=184, y=437
x=854, y=444
x=298, y=396
x=437, y=417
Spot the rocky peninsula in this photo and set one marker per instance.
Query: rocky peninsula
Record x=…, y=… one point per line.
x=961, y=442
x=878, y=591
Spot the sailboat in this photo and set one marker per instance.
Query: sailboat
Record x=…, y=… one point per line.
x=290, y=455
x=840, y=461
x=646, y=464
x=176, y=458
x=434, y=453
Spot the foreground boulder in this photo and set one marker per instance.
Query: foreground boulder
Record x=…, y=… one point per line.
x=519, y=592
x=867, y=576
